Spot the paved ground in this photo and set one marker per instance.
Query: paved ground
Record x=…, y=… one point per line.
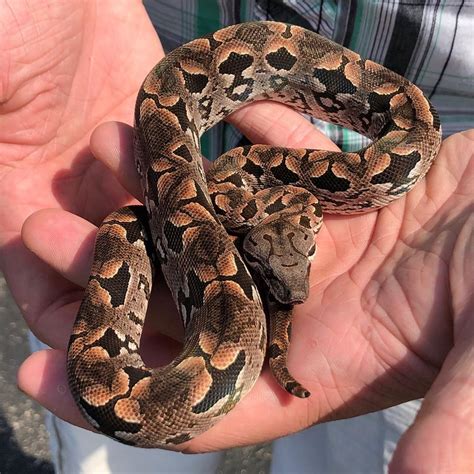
x=24, y=444
x=24, y=447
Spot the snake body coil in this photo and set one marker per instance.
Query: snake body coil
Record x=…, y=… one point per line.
x=265, y=197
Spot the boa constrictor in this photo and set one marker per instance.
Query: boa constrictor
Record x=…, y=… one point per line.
x=266, y=199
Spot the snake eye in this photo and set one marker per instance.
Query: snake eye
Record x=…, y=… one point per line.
x=312, y=250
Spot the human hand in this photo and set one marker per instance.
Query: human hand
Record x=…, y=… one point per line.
x=390, y=289
x=66, y=66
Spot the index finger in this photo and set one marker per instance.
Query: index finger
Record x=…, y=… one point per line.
x=263, y=122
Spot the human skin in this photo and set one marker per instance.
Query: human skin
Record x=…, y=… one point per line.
x=389, y=317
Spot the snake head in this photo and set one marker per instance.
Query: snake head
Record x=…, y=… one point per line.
x=281, y=253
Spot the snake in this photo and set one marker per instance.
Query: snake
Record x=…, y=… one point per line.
x=234, y=245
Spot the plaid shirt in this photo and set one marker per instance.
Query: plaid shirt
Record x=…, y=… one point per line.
x=430, y=42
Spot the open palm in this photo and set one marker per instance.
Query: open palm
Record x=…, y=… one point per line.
x=388, y=315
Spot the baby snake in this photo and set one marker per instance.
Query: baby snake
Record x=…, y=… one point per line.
x=263, y=196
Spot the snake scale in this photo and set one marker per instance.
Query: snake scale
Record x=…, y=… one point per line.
x=262, y=202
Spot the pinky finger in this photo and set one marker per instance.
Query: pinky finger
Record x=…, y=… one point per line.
x=50, y=389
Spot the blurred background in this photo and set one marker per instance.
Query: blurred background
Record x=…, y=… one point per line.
x=24, y=444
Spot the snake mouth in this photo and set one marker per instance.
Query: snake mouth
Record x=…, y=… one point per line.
x=288, y=296
x=290, y=301
x=297, y=300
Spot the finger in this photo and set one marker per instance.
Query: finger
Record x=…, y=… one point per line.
x=62, y=240
x=276, y=124
x=43, y=377
x=443, y=432
x=112, y=143
x=65, y=242
x=261, y=122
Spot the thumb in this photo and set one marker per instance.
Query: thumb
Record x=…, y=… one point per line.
x=442, y=437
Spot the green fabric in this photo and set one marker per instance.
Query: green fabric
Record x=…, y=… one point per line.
x=427, y=42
